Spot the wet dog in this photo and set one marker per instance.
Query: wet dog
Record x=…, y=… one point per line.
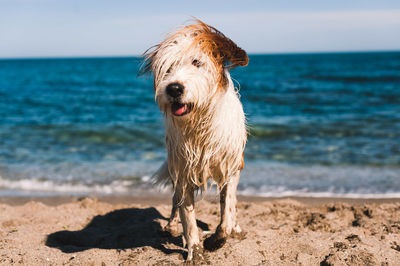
x=205, y=124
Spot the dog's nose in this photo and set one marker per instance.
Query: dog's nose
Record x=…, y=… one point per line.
x=175, y=90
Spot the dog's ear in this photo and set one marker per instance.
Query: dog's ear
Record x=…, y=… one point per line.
x=148, y=55
x=233, y=54
x=220, y=47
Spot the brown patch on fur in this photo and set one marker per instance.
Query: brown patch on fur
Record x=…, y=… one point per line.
x=215, y=44
x=218, y=47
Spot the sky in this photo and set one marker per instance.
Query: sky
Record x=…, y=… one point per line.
x=75, y=28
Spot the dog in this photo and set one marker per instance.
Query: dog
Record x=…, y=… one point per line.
x=205, y=124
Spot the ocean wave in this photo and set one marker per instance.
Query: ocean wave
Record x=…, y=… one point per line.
x=86, y=133
x=358, y=79
x=45, y=187
x=146, y=185
x=283, y=192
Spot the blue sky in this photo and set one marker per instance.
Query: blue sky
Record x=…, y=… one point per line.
x=54, y=28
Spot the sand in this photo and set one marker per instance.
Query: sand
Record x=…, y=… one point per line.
x=126, y=231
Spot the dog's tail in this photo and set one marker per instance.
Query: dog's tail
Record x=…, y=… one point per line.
x=161, y=176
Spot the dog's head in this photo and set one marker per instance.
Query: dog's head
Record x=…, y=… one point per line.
x=189, y=68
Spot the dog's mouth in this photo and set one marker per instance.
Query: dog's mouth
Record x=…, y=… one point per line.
x=180, y=109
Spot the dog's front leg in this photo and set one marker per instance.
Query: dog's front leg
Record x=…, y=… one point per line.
x=228, y=201
x=188, y=219
x=228, y=223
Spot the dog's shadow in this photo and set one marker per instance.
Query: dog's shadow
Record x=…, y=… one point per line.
x=120, y=229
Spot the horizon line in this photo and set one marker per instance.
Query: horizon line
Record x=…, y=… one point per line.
x=250, y=54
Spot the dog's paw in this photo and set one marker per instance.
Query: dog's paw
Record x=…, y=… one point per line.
x=169, y=232
x=196, y=255
x=215, y=241
x=239, y=235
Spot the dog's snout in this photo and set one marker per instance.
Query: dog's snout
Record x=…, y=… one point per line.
x=175, y=90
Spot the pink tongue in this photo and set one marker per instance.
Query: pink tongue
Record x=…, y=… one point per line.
x=180, y=111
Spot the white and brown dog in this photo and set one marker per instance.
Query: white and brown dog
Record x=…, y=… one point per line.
x=205, y=124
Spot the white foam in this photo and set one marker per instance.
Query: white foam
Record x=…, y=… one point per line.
x=34, y=185
x=299, y=193
x=29, y=187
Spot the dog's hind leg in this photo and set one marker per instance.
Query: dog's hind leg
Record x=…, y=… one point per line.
x=228, y=223
x=188, y=219
x=172, y=226
x=162, y=176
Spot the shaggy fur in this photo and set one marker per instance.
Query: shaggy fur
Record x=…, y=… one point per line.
x=205, y=123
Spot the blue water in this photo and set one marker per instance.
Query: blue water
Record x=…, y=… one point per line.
x=320, y=124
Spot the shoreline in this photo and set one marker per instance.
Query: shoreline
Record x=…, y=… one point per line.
x=152, y=199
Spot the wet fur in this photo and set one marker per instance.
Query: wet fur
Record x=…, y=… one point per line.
x=209, y=141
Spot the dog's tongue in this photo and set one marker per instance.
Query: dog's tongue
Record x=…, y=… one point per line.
x=178, y=109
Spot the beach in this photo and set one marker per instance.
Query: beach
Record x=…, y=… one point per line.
x=323, y=129
x=126, y=230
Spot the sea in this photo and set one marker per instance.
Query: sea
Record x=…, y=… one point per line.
x=320, y=125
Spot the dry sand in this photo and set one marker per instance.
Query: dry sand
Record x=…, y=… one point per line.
x=125, y=231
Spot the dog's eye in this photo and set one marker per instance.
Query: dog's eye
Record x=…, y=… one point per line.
x=196, y=63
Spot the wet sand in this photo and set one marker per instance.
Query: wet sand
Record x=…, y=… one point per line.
x=126, y=230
